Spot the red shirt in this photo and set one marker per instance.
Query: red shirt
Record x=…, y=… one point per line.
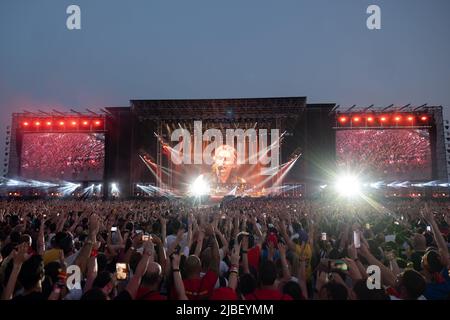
x=146, y=294
x=253, y=255
x=267, y=294
x=201, y=288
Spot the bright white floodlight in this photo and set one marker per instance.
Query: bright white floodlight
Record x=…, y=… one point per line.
x=348, y=185
x=199, y=187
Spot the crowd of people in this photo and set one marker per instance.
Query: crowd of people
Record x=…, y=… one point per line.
x=71, y=157
x=238, y=249
x=387, y=154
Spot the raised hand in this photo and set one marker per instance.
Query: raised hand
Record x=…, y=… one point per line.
x=235, y=254
x=20, y=254
x=282, y=249
x=175, y=260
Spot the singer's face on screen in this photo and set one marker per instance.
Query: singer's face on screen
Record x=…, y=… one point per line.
x=224, y=162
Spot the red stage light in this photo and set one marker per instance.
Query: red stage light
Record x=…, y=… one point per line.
x=85, y=123
x=26, y=124
x=343, y=119
x=97, y=123
x=397, y=118
x=410, y=118
x=383, y=119
x=424, y=118
x=61, y=123
x=48, y=123
x=370, y=119
x=37, y=123
x=356, y=119
x=74, y=123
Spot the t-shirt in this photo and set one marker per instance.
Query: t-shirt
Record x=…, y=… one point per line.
x=200, y=288
x=253, y=255
x=439, y=291
x=305, y=251
x=267, y=294
x=151, y=295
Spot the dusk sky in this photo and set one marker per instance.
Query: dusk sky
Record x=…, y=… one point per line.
x=168, y=49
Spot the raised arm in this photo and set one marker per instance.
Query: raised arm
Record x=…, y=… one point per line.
x=19, y=256
x=302, y=275
x=387, y=276
x=147, y=257
x=41, y=238
x=199, y=244
x=233, y=278
x=215, y=255
x=177, y=280
x=86, y=250
x=286, y=237
x=245, y=266
x=91, y=273
x=441, y=243
x=284, y=262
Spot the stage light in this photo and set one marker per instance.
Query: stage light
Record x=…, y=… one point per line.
x=26, y=124
x=348, y=185
x=343, y=119
x=115, y=189
x=383, y=119
x=68, y=188
x=48, y=123
x=37, y=123
x=74, y=123
x=356, y=119
x=97, y=122
x=199, y=187
x=397, y=118
x=424, y=118
x=85, y=123
x=410, y=118
x=370, y=119
x=61, y=123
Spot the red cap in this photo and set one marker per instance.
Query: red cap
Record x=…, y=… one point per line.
x=224, y=294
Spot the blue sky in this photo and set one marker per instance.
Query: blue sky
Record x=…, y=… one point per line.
x=221, y=49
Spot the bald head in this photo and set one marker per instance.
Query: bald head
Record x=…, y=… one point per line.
x=152, y=276
x=193, y=267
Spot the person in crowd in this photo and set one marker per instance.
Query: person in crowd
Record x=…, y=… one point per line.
x=270, y=248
